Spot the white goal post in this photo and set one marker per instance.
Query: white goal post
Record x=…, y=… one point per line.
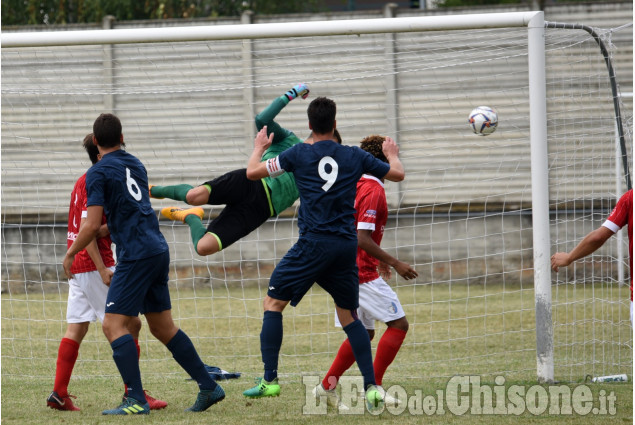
x=131, y=74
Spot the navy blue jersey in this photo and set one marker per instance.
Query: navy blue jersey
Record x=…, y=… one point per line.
x=326, y=174
x=119, y=183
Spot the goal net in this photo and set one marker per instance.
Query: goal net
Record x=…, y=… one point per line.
x=463, y=215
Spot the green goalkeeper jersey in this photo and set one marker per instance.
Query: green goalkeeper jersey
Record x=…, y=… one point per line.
x=282, y=190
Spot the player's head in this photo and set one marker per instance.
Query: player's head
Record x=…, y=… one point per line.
x=321, y=113
x=372, y=145
x=107, y=131
x=91, y=148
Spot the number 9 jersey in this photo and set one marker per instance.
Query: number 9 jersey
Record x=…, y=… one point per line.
x=119, y=182
x=326, y=174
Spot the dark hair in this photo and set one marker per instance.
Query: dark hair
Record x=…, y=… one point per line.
x=321, y=113
x=107, y=130
x=91, y=148
x=372, y=145
x=337, y=136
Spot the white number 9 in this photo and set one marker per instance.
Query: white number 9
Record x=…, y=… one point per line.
x=328, y=176
x=133, y=187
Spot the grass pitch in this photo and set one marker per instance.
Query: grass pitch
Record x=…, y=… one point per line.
x=485, y=331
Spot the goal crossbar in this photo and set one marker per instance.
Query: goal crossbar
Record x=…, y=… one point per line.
x=270, y=30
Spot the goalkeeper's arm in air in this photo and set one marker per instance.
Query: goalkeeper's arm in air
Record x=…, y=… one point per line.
x=248, y=204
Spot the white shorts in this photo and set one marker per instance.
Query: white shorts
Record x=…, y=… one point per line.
x=86, y=298
x=377, y=301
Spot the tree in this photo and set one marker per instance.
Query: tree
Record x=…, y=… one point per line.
x=38, y=12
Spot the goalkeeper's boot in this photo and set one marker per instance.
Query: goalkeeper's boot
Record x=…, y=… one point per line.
x=206, y=398
x=174, y=213
x=129, y=406
x=263, y=389
x=374, y=399
x=150, y=190
x=54, y=401
x=332, y=399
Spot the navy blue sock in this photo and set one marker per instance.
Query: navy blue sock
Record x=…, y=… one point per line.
x=186, y=356
x=270, y=343
x=360, y=342
x=124, y=352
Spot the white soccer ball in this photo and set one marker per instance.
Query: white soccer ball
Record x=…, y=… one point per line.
x=483, y=120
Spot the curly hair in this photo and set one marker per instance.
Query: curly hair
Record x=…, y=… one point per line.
x=372, y=145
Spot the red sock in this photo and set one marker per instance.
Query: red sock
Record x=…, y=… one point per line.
x=343, y=360
x=66, y=357
x=387, y=349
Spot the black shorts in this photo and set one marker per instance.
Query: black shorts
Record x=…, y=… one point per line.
x=246, y=206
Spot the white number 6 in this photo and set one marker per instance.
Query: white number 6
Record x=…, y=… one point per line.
x=328, y=176
x=133, y=187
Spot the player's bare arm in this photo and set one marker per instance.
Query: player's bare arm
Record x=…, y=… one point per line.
x=256, y=169
x=391, y=151
x=84, y=237
x=103, y=231
x=366, y=242
x=93, y=253
x=588, y=245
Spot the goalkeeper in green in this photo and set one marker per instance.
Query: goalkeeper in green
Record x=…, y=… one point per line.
x=248, y=204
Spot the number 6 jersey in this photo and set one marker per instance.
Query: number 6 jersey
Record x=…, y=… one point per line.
x=119, y=182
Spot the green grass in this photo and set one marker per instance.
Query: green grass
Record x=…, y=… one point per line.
x=485, y=330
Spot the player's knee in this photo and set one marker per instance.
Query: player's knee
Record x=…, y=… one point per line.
x=401, y=324
x=134, y=326
x=76, y=331
x=197, y=196
x=207, y=245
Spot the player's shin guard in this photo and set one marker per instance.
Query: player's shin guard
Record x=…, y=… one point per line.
x=197, y=230
x=186, y=356
x=343, y=360
x=387, y=350
x=270, y=343
x=124, y=352
x=360, y=343
x=177, y=192
x=66, y=358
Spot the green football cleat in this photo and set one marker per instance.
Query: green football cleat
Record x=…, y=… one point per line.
x=263, y=389
x=374, y=399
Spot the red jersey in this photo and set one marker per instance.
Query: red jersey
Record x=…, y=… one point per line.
x=621, y=216
x=76, y=211
x=371, y=213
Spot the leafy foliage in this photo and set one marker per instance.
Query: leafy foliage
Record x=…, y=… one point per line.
x=37, y=12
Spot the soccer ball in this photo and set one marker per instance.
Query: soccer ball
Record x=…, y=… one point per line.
x=483, y=120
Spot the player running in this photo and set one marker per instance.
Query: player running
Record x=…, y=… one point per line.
x=248, y=203
x=621, y=216
x=326, y=174
x=92, y=270
x=377, y=301
x=118, y=186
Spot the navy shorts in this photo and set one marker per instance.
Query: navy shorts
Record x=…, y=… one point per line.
x=246, y=206
x=329, y=261
x=140, y=286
